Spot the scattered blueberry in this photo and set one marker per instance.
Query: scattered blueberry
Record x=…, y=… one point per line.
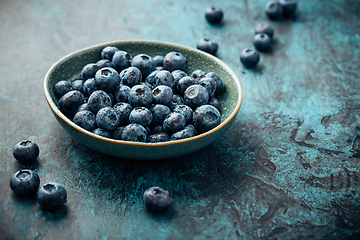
x=214, y=15
x=107, y=79
x=26, y=151
x=174, y=61
x=195, y=96
x=25, y=182
x=273, y=9
x=107, y=118
x=249, y=57
x=85, y=119
x=206, y=117
x=266, y=28
x=141, y=115
x=144, y=63
x=134, y=132
x=130, y=76
x=89, y=71
x=51, y=196
x=122, y=60
x=289, y=6
x=108, y=52
x=262, y=42
x=157, y=199
x=61, y=88
x=207, y=45
x=99, y=99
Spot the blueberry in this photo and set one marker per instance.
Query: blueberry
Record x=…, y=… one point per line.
x=162, y=95
x=144, y=63
x=205, y=118
x=85, y=119
x=262, y=42
x=108, y=52
x=107, y=118
x=188, y=132
x=186, y=111
x=289, y=6
x=89, y=87
x=207, y=45
x=83, y=107
x=99, y=99
x=158, y=137
x=214, y=102
x=89, y=71
x=105, y=63
x=102, y=132
x=26, y=151
x=177, y=99
x=134, y=132
x=61, y=88
x=164, y=77
x=141, y=115
x=265, y=28
x=174, y=61
x=159, y=112
x=273, y=9
x=130, y=76
x=123, y=110
x=209, y=84
x=184, y=83
x=220, y=85
x=249, y=57
x=197, y=74
x=107, y=79
x=174, y=122
x=214, y=15
x=159, y=60
x=156, y=128
x=195, y=96
x=150, y=79
x=116, y=134
x=25, y=183
x=177, y=75
x=51, y=196
x=122, y=93
x=70, y=101
x=157, y=199
x=77, y=85
x=122, y=60
x=140, y=96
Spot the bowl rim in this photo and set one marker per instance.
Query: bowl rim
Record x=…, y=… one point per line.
x=62, y=116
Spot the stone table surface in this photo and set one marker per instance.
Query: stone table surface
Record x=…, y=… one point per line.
x=287, y=169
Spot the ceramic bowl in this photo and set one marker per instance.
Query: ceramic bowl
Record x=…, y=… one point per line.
x=69, y=68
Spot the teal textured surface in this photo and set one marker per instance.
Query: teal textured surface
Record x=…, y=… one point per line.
x=285, y=170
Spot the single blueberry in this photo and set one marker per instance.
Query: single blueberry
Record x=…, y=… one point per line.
x=107, y=79
x=174, y=122
x=158, y=137
x=265, y=28
x=157, y=199
x=249, y=57
x=51, y=196
x=198, y=74
x=71, y=101
x=214, y=102
x=195, y=96
x=141, y=115
x=61, y=88
x=89, y=87
x=164, y=77
x=134, y=132
x=107, y=118
x=26, y=151
x=85, y=119
x=162, y=94
x=159, y=112
x=25, y=183
x=214, y=15
x=102, y=133
x=175, y=61
x=99, y=99
x=207, y=45
x=144, y=63
x=273, y=9
x=123, y=110
x=209, y=84
x=105, y=63
x=159, y=60
x=140, y=96
x=78, y=85
x=108, y=52
x=188, y=132
x=289, y=7
x=130, y=76
x=89, y=71
x=220, y=85
x=122, y=93
x=177, y=99
x=262, y=42
x=184, y=83
x=116, y=134
x=205, y=118
x=186, y=111
x=122, y=60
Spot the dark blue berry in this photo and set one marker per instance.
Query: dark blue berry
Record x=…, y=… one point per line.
x=140, y=96
x=77, y=85
x=249, y=57
x=214, y=15
x=209, y=84
x=116, y=134
x=122, y=60
x=220, y=85
x=207, y=45
x=122, y=93
x=205, y=118
x=289, y=6
x=197, y=74
x=130, y=76
x=159, y=112
x=159, y=60
x=99, y=99
x=195, y=96
x=177, y=75
x=25, y=182
x=102, y=133
x=89, y=87
x=265, y=28
x=174, y=61
x=51, y=196
x=61, y=88
x=164, y=77
x=107, y=79
x=26, y=151
x=273, y=9
x=184, y=83
x=177, y=99
x=144, y=63
x=123, y=110
x=107, y=118
x=186, y=111
x=262, y=42
x=214, y=102
x=150, y=79
x=105, y=63
x=157, y=199
x=85, y=119
x=108, y=52
x=141, y=115
x=174, y=122
x=158, y=137
x=71, y=101
x=162, y=95
x=83, y=107
x=89, y=71
x=188, y=132
x=156, y=128
x=134, y=132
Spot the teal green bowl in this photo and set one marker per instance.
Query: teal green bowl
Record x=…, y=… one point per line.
x=69, y=68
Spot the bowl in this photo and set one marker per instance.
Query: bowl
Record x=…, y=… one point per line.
x=70, y=66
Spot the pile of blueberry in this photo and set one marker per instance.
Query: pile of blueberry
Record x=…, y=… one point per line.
x=26, y=182
x=142, y=98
